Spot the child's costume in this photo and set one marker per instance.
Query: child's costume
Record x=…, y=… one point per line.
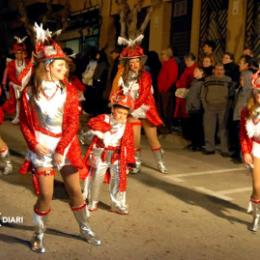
x=108, y=157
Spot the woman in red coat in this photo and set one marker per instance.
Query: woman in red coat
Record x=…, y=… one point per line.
x=137, y=83
x=183, y=84
x=250, y=147
x=49, y=122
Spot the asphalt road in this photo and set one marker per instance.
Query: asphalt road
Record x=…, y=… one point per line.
x=196, y=212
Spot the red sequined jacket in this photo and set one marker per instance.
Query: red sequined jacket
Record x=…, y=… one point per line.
x=70, y=126
x=126, y=153
x=245, y=141
x=146, y=98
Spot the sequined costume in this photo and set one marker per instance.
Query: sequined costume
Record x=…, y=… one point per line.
x=54, y=124
x=107, y=158
x=141, y=91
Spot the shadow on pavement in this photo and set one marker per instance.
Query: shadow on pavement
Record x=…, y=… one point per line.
x=215, y=206
x=49, y=231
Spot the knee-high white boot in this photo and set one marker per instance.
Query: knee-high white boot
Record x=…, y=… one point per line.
x=158, y=154
x=39, y=219
x=256, y=216
x=138, y=162
x=81, y=214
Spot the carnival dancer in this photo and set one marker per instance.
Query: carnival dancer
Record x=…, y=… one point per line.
x=250, y=147
x=49, y=122
x=137, y=83
x=16, y=70
x=110, y=154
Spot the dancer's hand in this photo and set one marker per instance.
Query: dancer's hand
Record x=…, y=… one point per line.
x=248, y=159
x=41, y=150
x=57, y=158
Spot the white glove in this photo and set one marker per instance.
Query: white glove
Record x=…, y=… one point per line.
x=140, y=112
x=99, y=134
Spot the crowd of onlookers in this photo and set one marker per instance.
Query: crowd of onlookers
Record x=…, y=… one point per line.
x=202, y=99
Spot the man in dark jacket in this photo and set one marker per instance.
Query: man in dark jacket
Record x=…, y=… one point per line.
x=216, y=95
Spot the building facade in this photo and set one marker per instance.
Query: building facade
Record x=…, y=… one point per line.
x=181, y=24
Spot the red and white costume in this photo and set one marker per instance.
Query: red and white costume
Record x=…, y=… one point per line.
x=250, y=144
x=18, y=74
x=250, y=126
x=141, y=91
x=138, y=84
x=107, y=158
x=52, y=120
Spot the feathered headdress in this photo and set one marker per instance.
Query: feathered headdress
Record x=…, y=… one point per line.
x=132, y=49
x=45, y=47
x=19, y=45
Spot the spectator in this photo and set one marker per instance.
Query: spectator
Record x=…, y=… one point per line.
x=231, y=69
x=194, y=108
x=215, y=99
x=248, y=51
x=245, y=64
x=242, y=95
x=208, y=50
x=182, y=86
x=153, y=65
x=166, y=80
x=207, y=65
x=95, y=77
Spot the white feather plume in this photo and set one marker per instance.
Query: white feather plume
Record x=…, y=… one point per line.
x=122, y=41
x=41, y=34
x=131, y=42
x=20, y=40
x=138, y=39
x=58, y=32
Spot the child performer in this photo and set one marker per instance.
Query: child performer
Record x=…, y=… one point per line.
x=112, y=149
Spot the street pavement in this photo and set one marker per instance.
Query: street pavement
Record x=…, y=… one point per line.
x=196, y=212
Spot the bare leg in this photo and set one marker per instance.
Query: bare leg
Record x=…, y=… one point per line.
x=72, y=184
x=42, y=209
x=151, y=134
x=256, y=179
